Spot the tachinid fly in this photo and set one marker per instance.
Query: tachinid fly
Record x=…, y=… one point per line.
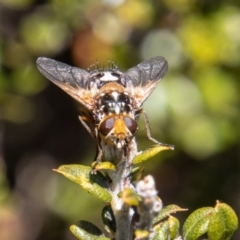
x=110, y=100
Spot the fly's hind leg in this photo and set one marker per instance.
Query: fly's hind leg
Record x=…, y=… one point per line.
x=149, y=135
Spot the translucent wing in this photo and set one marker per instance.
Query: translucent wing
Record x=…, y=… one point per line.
x=142, y=79
x=72, y=80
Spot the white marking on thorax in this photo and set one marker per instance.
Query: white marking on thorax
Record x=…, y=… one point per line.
x=115, y=96
x=108, y=77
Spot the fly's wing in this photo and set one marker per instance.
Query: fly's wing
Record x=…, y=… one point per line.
x=142, y=79
x=72, y=80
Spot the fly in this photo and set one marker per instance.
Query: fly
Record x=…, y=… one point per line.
x=110, y=100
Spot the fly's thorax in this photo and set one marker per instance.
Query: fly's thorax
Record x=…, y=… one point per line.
x=113, y=99
x=117, y=130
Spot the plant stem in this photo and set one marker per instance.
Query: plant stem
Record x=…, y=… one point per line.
x=120, y=180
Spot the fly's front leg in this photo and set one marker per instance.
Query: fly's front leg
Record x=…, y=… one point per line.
x=149, y=135
x=83, y=119
x=99, y=154
x=94, y=133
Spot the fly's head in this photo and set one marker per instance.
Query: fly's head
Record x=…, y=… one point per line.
x=117, y=130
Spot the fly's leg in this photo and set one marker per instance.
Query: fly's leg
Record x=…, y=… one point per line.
x=98, y=156
x=149, y=135
x=94, y=133
x=83, y=120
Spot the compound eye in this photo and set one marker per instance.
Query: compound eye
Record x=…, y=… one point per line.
x=131, y=124
x=106, y=126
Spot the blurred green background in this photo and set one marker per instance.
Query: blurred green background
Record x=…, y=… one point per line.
x=195, y=107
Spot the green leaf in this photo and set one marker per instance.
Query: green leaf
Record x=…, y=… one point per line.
x=95, y=184
x=150, y=152
x=197, y=223
x=129, y=197
x=161, y=231
x=87, y=231
x=141, y=234
x=216, y=227
x=104, y=166
x=223, y=223
x=136, y=174
x=108, y=219
x=166, y=211
x=173, y=224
